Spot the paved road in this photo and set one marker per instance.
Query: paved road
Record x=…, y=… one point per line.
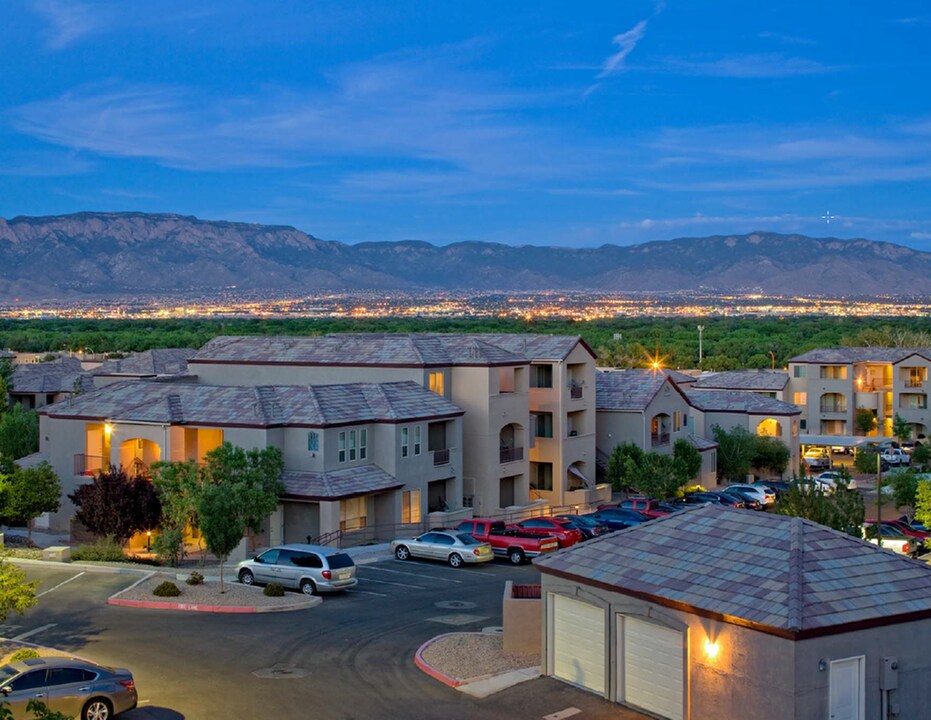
x=350, y=658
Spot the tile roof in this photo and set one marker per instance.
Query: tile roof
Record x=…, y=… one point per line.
x=701, y=444
x=335, y=484
x=410, y=349
x=55, y=376
x=535, y=347
x=743, y=380
x=738, y=401
x=844, y=355
x=680, y=378
x=627, y=389
x=778, y=572
x=31, y=461
x=259, y=406
x=160, y=361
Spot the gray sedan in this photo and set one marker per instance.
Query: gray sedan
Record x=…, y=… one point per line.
x=74, y=688
x=447, y=545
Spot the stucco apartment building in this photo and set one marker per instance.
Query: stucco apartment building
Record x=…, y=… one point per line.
x=528, y=432
x=771, y=383
x=356, y=455
x=830, y=384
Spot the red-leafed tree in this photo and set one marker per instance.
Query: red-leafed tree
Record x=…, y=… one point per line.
x=116, y=505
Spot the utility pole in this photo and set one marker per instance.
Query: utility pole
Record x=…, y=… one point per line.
x=701, y=329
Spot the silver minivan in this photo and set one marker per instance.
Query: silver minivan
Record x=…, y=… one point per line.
x=308, y=568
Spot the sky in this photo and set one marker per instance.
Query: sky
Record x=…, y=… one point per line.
x=546, y=123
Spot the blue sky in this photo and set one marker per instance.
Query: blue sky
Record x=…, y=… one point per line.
x=548, y=123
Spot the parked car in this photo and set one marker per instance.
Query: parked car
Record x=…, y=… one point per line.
x=711, y=497
x=647, y=506
x=892, y=538
x=619, y=518
x=779, y=487
x=686, y=501
x=764, y=496
x=588, y=527
x=74, y=688
x=817, y=459
x=912, y=523
x=450, y=546
x=750, y=501
x=895, y=456
x=833, y=478
x=508, y=541
x=727, y=499
x=562, y=530
x=906, y=529
x=309, y=568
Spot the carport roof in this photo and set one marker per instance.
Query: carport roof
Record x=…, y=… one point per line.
x=337, y=484
x=779, y=574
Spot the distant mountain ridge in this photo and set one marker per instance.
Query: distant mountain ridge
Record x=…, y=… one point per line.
x=104, y=254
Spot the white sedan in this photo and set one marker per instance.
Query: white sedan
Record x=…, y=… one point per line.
x=831, y=479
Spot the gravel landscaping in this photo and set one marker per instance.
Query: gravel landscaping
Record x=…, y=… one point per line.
x=209, y=594
x=469, y=655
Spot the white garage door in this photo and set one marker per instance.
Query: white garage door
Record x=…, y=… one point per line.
x=653, y=667
x=578, y=642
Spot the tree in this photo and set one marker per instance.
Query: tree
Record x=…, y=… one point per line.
x=655, y=476
x=865, y=461
x=616, y=472
x=904, y=486
x=29, y=492
x=687, y=459
x=736, y=450
x=19, y=434
x=901, y=428
x=843, y=510
x=921, y=454
x=221, y=521
x=6, y=382
x=864, y=421
x=116, y=505
x=178, y=485
x=16, y=593
x=771, y=454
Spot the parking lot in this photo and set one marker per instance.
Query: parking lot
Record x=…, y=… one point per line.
x=350, y=657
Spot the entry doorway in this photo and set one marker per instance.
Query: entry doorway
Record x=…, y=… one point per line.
x=848, y=689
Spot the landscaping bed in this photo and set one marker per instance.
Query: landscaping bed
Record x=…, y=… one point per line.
x=464, y=656
x=207, y=595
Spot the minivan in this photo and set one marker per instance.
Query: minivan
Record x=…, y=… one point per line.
x=309, y=568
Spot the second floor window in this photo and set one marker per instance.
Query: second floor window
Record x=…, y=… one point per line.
x=352, y=445
x=313, y=442
x=801, y=398
x=436, y=382
x=833, y=372
x=800, y=371
x=363, y=441
x=405, y=440
x=542, y=425
x=541, y=376
x=342, y=446
x=417, y=439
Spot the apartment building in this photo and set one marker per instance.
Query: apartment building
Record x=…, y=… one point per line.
x=528, y=429
x=35, y=385
x=357, y=455
x=771, y=383
x=829, y=385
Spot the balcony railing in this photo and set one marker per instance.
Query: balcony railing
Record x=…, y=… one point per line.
x=87, y=464
x=441, y=457
x=659, y=439
x=833, y=408
x=914, y=383
x=575, y=392
x=512, y=454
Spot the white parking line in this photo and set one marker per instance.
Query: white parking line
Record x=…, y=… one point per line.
x=65, y=582
x=562, y=714
x=386, y=582
x=416, y=575
x=366, y=592
x=34, y=631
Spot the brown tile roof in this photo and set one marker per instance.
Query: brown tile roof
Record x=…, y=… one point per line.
x=536, y=347
x=628, y=389
x=738, y=401
x=160, y=361
x=260, y=406
x=845, y=355
x=781, y=573
x=765, y=380
x=55, y=376
x=336, y=484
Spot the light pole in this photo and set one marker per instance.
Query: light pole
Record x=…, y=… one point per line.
x=773, y=356
x=701, y=329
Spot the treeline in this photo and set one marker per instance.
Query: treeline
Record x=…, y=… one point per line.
x=728, y=343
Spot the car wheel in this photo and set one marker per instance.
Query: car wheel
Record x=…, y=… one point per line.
x=402, y=553
x=97, y=709
x=246, y=577
x=308, y=587
x=455, y=560
x=516, y=556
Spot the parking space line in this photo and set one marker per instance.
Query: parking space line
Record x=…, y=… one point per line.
x=386, y=582
x=34, y=631
x=46, y=592
x=366, y=592
x=417, y=575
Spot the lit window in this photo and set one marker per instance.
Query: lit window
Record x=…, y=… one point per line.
x=436, y=382
x=405, y=433
x=801, y=398
x=410, y=506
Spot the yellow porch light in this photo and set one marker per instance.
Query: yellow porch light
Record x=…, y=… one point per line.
x=711, y=649
x=107, y=429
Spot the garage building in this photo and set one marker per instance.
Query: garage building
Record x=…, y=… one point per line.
x=723, y=613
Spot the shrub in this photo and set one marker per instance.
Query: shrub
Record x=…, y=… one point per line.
x=166, y=589
x=102, y=551
x=274, y=590
x=195, y=579
x=23, y=654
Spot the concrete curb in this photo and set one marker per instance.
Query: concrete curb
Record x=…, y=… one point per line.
x=429, y=669
x=80, y=566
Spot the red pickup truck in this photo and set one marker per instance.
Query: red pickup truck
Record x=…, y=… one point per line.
x=508, y=541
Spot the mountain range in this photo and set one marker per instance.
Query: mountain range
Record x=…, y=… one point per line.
x=108, y=254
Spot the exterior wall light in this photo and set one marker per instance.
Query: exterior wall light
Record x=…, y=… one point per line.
x=711, y=649
x=822, y=665
x=107, y=429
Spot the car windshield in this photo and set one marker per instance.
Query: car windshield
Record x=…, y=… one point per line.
x=7, y=671
x=468, y=539
x=339, y=560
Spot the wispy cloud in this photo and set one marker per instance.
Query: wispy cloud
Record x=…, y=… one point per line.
x=626, y=42
x=757, y=65
x=68, y=21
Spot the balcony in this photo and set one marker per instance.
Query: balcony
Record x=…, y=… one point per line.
x=658, y=439
x=87, y=464
x=511, y=454
x=441, y=457
x=912, y=383
x=575, y=392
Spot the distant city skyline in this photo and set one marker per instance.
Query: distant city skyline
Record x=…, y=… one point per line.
x=548, y=124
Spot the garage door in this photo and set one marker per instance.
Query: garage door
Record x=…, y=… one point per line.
x=578, y=640
x=653, y=667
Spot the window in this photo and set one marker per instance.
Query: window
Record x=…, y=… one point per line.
x=363, y=443
x=29, y=681
x=268, y=558
x=313, y=442
x=306, y=560
x=405, y=433
x=676, y=421
x=342, y=447
x=802, y=424
x=542, y=424
x=67, y=676
x=541, y=376
x=436, y=382
x=801, y=398
x=352, y=513
x=800, y=371
x=417, y=439
x=410, y=506
x=833, y=372
x=352, y=445
x=541, y=476
x=442, y=539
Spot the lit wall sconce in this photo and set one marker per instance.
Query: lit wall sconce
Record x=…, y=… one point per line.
x=711, y=649
x=822, y=665
x=107, y=429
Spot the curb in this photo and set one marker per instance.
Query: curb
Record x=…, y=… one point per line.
x=107, y=569
x=429, y=669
